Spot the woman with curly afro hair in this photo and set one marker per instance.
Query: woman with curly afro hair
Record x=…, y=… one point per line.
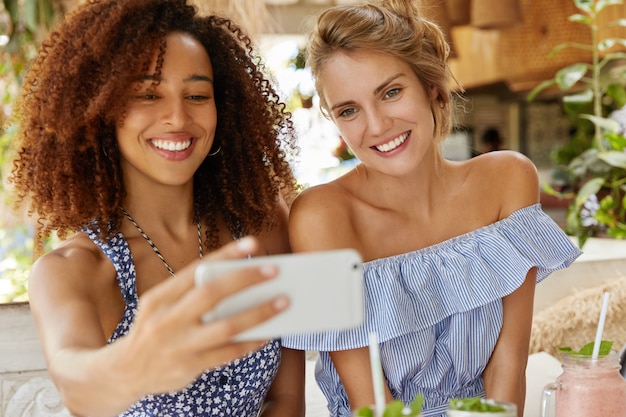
x=149, y=136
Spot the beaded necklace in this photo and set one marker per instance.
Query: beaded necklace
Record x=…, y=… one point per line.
x=153, y=246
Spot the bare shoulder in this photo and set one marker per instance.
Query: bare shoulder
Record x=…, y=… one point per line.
x=72, y=270
x=323, y=197
x=509, y=176
x=320, y=218
x=500, y=159
x=275, y=240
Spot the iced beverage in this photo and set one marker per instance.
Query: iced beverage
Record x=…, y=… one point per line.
x=587, y=388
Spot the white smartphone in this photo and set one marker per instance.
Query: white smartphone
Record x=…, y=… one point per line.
x=325, y=291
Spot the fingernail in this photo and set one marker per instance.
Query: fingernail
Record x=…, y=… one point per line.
x=245, y=244
x=281, y=303
x=268, y=271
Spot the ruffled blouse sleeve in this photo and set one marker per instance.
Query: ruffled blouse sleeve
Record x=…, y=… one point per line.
x=416, y=290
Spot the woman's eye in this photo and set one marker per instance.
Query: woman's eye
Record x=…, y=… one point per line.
x=347, y=112
x=198, y=98
x=146, y=96
x=391, y=93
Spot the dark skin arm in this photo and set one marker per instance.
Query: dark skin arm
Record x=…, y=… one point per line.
x=167, y=347
x=286, y=396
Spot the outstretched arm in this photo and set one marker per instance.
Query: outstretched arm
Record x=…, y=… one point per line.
x=168, y=345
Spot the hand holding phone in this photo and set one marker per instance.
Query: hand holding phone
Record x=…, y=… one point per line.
x=325, y=290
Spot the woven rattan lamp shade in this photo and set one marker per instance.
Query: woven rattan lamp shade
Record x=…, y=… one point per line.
x=524, y=50
x=436, y=11
x=496, y=14
x=458, y=12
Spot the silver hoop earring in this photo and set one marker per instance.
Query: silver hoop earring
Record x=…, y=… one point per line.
x=219, y=148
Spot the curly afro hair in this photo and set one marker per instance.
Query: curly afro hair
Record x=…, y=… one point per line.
x=67, y=165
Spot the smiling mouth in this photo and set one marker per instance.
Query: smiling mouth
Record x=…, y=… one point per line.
x=392, y=144
x=171, y=146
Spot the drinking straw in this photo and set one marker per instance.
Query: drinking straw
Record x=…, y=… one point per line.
x=377, y=375
x=598, y=341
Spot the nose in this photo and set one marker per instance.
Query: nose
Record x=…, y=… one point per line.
x=174, y=113
x=377, y=122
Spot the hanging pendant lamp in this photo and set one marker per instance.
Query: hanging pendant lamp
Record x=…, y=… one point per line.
x=436, y=11
x=459, y=12
x=495, y=14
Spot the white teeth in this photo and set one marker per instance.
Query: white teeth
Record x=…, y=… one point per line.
x=172, y=146
x=393, y=144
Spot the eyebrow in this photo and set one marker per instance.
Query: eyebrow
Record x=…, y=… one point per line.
x=192, y=78
x=377, y=90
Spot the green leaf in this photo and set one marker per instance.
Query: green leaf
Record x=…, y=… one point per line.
x=614, y=158
x=584, y=97
x=601, y=4
x=610, y=42
x=587, y=350
x=584, y=5
x=417, y=404
x=567, y=77
x=47, y=13
x=605, y=123
x=618, y=231
x=604, y=218
x=535, y=91
x=12, y=7
x=589, y=188
x=605, y=348
x=364, y=412
x=580, y=18
x=474, y=404
x=394, y=409
x=613, y=56
x=607, y=203
x=31, y=15
x=574, y=108
x=566, y=45
x=618, y=22
x=617, y=92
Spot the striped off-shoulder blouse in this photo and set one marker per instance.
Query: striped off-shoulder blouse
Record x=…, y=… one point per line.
x=438, y=310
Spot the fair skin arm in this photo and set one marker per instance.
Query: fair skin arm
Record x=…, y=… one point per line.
x=168, y=345
x=317, y=208
x=353, y=367
x=505, y=374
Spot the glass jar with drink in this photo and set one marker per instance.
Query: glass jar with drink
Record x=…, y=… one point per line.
x=588, y=387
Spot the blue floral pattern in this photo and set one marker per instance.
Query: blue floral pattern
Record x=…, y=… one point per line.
x=235, y=389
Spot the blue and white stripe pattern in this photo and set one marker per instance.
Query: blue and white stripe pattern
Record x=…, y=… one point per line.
x=438, y=311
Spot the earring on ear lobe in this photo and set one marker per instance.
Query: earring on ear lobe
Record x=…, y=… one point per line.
x=219, y=148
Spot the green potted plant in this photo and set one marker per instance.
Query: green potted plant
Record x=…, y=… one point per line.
x=594, y=161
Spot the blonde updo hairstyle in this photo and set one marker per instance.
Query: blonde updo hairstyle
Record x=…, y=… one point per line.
x=397, y=28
